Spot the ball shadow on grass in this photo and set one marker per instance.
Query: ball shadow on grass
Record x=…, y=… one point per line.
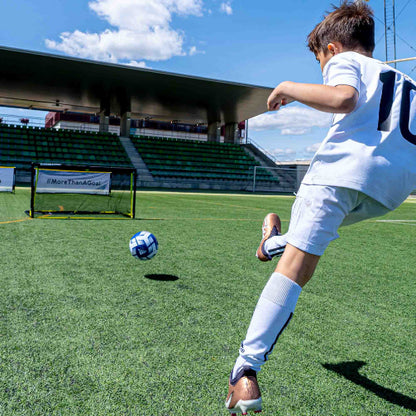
x=162, y=277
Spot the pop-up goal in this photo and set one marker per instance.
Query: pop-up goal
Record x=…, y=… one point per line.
x=7, y=178
x=68, y=189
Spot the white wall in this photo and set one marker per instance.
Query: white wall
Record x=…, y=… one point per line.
x=72, y=125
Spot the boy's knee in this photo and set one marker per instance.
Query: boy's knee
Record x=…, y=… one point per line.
x=297, y=265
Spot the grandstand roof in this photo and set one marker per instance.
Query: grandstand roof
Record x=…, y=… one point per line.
x=57, y=83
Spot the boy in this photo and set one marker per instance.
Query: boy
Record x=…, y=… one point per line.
x=365, y=167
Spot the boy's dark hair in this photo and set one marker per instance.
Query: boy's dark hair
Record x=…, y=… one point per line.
x=351, y=24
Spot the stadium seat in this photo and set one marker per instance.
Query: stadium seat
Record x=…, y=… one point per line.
x=188, y=159
x=22, y=146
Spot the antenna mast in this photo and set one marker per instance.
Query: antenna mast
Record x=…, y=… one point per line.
x=390, y=30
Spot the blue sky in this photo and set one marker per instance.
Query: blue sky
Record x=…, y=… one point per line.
x=256, y=42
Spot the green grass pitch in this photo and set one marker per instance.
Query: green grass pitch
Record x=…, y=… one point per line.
x=86, y=330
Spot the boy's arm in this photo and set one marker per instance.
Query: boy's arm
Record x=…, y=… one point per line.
x=339, y=99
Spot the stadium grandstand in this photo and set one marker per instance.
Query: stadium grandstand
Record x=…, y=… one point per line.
x=177, y=131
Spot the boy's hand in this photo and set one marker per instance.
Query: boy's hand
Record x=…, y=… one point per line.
x=278, y=98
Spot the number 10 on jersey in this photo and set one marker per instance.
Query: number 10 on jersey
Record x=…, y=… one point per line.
x=387, y=95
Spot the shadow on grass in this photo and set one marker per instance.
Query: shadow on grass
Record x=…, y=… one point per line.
x=349, y=370
x=162, y=277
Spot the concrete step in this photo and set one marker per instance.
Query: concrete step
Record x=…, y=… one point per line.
x=143, y=172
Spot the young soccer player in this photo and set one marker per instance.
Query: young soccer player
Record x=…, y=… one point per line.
x=365, y=167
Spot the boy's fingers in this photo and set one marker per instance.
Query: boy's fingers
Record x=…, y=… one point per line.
x=273, y=105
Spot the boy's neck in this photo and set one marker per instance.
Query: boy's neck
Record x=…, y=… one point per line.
x=361, y=52
x=338, y=47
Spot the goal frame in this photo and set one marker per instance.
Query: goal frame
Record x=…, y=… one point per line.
x=14, y=179
x=277, y=169
x=84, y=168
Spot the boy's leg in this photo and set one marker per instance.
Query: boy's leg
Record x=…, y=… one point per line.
x=317, y=213
x=278, y=299
x=271, y=316
x=297, y=265
x=275, y=307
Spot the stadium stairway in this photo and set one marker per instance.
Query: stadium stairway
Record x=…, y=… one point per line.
x=287, y=177
x=144, y=177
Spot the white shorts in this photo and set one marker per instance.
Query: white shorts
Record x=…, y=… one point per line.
x=319, y=211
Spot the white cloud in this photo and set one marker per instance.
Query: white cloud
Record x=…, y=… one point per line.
x=140, y=29
x=292, y=120
x=283, y=152
x=295, y=131
x=226, y=8
x=141, y=64
x=193, y=50
x=312, y=148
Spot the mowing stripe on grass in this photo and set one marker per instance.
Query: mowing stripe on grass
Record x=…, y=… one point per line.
x=223, y=205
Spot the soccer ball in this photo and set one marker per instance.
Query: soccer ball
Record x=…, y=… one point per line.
x=143, y=245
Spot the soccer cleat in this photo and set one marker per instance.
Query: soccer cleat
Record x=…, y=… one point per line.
x=271, y=227
x=243, y=393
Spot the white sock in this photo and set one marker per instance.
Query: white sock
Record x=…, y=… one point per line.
x=271, y=316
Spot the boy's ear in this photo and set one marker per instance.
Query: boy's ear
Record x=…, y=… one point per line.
x=331, y=48
x=334, y=48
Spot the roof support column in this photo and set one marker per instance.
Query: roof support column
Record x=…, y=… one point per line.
x=104, y=121
x=231, y=133
x=214, y=131
x=125, y=122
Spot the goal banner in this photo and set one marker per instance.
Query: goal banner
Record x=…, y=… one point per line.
x=6, y=179
x=72, y=182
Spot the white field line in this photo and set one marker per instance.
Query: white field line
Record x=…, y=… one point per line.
x=395, y=220
x=141, y=191
x=399, y=222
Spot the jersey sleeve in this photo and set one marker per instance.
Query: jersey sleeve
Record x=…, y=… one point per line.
x=342, y=71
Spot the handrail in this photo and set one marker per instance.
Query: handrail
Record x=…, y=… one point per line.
x=262, y=149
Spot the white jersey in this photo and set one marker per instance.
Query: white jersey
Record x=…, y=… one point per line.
x=373, y=148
